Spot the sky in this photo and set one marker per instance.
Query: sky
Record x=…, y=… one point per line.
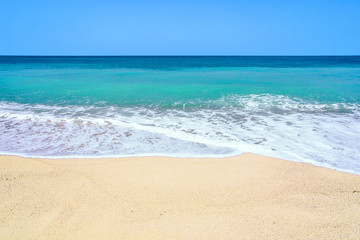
x=180, y=27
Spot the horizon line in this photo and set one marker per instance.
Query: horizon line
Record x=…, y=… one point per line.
x=339, y=55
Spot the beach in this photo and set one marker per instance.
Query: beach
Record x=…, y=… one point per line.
x=81, y=138
x=243, y=197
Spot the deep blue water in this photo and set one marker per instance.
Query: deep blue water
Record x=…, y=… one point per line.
x=179, y=62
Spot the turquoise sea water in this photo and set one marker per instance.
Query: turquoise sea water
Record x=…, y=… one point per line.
x=298, y=108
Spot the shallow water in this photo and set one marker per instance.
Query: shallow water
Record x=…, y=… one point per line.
x=298, y=108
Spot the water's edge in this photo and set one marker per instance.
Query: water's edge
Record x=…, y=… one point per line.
x=316, y=164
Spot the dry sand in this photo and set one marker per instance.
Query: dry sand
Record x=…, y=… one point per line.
x=244, y=197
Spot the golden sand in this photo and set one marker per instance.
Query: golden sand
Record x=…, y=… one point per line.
x=243, y=197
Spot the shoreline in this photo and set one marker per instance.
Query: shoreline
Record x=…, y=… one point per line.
x=311, y=162
x=243, y=197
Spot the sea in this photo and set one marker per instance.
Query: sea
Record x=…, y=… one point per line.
x=299, y=108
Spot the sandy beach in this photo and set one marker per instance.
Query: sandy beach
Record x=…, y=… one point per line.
x=243, y=197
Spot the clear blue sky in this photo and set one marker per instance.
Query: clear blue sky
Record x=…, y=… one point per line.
x=179, y=27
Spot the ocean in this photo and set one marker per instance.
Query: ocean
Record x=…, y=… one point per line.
x=304, y=109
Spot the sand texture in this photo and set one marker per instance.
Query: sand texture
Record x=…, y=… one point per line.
x=243, y=197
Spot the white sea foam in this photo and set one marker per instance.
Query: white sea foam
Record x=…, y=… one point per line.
x=322, y=134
